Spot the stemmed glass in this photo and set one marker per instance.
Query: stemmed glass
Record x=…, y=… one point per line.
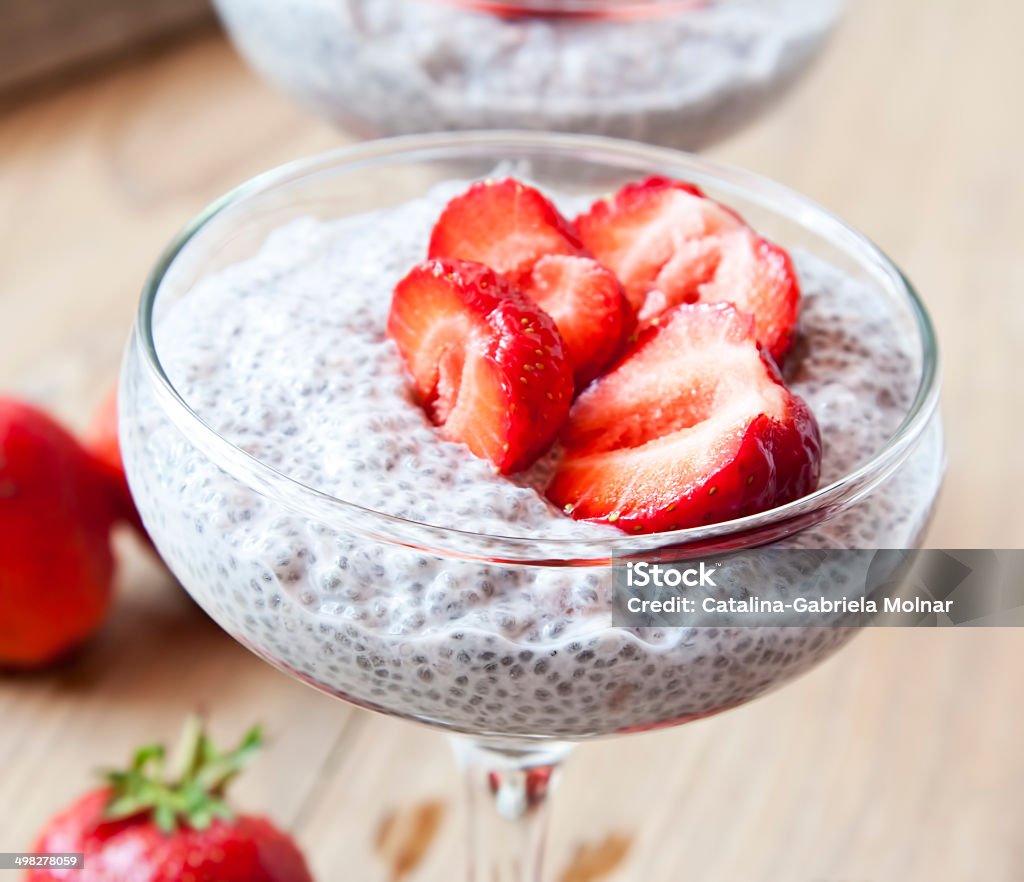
x=682, y=73
x=513, y=711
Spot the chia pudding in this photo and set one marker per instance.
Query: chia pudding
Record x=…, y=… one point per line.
x=285, y=355
x=682, y=77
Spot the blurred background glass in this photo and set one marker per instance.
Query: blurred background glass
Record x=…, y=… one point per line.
x=682, y=74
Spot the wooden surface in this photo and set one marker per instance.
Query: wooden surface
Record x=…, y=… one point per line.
x=43, y=37
x=900, y=759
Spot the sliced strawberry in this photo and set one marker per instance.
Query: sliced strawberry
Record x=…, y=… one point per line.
x=638, y=230
x=488, y=364
x=589, y=308
x=693, y=426
x=571, y=9
x=504, y=224
x=669, y=245
x=741, y=268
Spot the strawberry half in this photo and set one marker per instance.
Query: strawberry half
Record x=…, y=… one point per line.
x=571, y=9
x=589, y=308
x=669, y=244
x=504, y=224
x=488, y=364
x=638, y=230
x=692, y=427
x=740, y=268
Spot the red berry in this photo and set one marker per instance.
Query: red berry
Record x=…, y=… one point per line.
x=141, y=829
x=56, y=562
x=245, y=849
x=740, y=268
x=488, y=364
x=504, y=224
x=693, y=426
x=669, y=244
x=589, y=308
x=638, y=230
x=103, y=441
x=630, y=9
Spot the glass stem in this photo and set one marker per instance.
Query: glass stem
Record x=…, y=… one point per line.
x=508, y=790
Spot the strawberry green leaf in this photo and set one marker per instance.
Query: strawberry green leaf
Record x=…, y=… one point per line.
x=192, y=794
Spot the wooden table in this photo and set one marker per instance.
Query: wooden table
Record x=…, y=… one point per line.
x=900, y=759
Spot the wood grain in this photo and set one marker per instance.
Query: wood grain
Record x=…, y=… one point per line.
x=897, y=760
x=44, y=37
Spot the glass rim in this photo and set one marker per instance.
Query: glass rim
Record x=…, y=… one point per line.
x=380, y=526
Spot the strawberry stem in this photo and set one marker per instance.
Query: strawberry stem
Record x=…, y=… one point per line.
x=192, y=791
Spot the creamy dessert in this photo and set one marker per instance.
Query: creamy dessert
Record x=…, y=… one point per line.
x=683, y=75
x=287, y=355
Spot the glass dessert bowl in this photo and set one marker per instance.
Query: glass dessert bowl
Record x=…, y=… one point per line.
x=297, y=491
x=683, y=73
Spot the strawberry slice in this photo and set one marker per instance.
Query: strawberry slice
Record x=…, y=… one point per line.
x=588, y=306
x=572, y=9
x=691, y=427
x=488, y=364
x=741, y=268
x=638, y=230
x=504, y=224
x=669, y=244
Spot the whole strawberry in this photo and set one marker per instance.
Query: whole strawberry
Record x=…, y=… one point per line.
x=56, y=562
x=102, y=441
x=142, y=827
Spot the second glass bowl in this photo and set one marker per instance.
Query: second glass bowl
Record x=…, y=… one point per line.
x=682, y=74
